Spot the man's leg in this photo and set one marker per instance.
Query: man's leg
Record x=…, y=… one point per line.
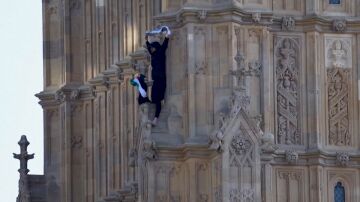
x=157, y=112
x=158, y=109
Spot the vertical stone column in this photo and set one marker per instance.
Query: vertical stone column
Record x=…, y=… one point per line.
x=89, y=42
x=54, y=57
x=199, y=50
x=357, y=103
x=315, y=90
x=101, y=156
x=74, y=40
x=172, y=5
x=63, y=42
x=129, y=122
x=266, y=180
x=77, y=149
x=53, y=127
x=312, y=7
x=317, y=185
x=267, y=83
x=89, y=149
x=113, y=128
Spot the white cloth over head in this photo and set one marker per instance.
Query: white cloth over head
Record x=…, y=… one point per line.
x=159, y=30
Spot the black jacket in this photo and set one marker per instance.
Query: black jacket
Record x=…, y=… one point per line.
x=158, y=58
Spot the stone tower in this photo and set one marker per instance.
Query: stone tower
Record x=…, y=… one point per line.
x=261, y=101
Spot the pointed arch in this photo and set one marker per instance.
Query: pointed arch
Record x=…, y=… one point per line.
x=241, y=160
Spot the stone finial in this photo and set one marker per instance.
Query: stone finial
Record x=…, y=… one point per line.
x=24, y=193
x=23, y=156
x=342, y=159
x=288, y=23
x=339, y=25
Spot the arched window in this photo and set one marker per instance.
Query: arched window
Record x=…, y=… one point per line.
x=339, y=192
x=334, y=1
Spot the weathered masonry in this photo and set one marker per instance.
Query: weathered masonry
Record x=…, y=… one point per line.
x=262, y=101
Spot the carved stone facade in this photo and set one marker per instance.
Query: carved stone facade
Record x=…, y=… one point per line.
x=288, y=80
x=261, y=101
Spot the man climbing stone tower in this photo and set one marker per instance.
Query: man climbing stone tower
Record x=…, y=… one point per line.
x=263, y=99
x=158, y=72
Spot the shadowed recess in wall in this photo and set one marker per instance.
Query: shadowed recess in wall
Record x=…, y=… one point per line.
x=339, y=192
x=334, y=1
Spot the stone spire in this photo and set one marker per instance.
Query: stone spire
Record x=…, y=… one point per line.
x=24, y=194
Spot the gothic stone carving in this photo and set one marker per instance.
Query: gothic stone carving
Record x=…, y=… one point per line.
x=290, y=185
x=240, y=145
x=268, y=143
x=241, y=195
x=342, y=158
x=338, y=52
x=201, y=68
x=287, y=85
x=165, y=175
x=242, y=163
x=254, y=68
x=59, y=96
x=338, y=106
x=147, y=147
x=338, y=63
x=339, y=25
x=291, y=156
x=238, y=101
x=288, y=23
x=202, y=15
x=75, y=94
x=76, y=142
x=218, y=194
x=149, y=150
x=216, y=140
x=256, y=17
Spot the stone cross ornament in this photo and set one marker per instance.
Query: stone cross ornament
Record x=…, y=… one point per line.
x=23, y=156
x=24, y=193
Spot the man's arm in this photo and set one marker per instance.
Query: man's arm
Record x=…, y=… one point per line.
x=165, y=43
x=147, y=44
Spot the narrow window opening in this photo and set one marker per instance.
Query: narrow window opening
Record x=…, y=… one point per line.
x=339, y=192
x=334, y=1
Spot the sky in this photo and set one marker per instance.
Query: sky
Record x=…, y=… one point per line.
x=21, y=78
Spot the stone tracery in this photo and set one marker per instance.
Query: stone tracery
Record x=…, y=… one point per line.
x=287, y=75
x=338, y=99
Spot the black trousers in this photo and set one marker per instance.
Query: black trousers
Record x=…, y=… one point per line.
x=158, y=93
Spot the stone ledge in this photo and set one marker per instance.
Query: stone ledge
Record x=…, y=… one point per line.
x=266, y=18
